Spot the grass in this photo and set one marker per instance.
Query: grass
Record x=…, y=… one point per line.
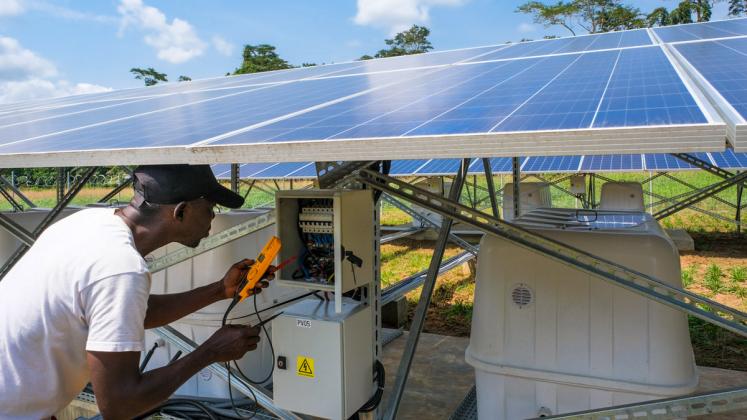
x=688, y=276
x=738, y=274
x=713, y=277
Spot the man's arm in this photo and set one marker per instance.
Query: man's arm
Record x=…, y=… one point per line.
x=165, y=309
x=123, y=392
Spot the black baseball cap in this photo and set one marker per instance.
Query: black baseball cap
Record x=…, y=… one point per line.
x=172, y=184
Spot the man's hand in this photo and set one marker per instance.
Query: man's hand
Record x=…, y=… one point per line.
x=231, y=342
x=237, y=273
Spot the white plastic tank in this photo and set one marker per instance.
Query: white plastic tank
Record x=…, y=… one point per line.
x=621, y=196
x=547, y=338
x=533, y=195
x=205, y=269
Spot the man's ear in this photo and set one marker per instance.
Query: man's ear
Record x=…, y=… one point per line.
x=179, y=211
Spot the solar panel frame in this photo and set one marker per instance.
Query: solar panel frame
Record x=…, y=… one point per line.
x=736, y=122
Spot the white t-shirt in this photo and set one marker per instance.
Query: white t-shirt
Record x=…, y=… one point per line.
x=82, y=286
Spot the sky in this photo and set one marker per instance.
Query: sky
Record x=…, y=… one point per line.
x=54, y=48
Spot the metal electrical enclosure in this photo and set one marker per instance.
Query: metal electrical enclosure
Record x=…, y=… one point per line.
x=331, y=235
x=324, y=358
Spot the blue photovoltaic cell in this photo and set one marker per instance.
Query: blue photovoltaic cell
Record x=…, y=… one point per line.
x=500, y=165
x=570, y=45
x=719, y=29
x=635, y=38
x=440, y=167
x=593, y=163
x=570, y=100
x=421, y=60
x=246, y=170
x=646, y=90
x=308, y=171
x=666, y=162
x=491, y=104
x=392, y=112
x=61, y=119
x=221, y=170
x=724, y=64
x=406, y=167
x=730, y=160
x=191, y=124
x=281, y=170
x=540, y=164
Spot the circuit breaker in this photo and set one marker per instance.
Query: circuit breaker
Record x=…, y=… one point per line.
x=324, y=358
x=330, y=234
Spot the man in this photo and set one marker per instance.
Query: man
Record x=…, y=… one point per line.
x=74, y=308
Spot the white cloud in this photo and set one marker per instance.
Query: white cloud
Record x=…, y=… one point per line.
x=11, y=7
x=175, y=42
x=18, y=63
x=24, y=75
x=224, y=47
x=526, y=28
x=398, y=15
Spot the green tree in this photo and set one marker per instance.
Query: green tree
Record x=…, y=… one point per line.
x=365, y=57
x=683, y=13
x=560, y=13
x=658, y=17
x=412, y=41
x=149, y=76
x=184, y=79
x=262, y=57
x=737, y=7
x=619, y=18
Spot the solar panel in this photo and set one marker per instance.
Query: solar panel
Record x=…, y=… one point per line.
x=730, y=160
x=406, y=167
x=723, y=64
x=612, y=163
x=709, y=30
x=282, y=170
x=440, y=167
x=582, y=43
x=665, y=162
x=551, y=164
x=601, y=93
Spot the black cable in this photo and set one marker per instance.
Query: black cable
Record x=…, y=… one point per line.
x=276, y=305
x=148, y=355
x=179, y=401
x=380, y=377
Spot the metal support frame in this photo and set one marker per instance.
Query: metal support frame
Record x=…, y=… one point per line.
x=418, y=320
x=516, y=175
x=674, y=200
x=330, y=174
x=701, y=195
x=738, y=213
x=491, y=187
x=592, y=195
x=235, y=177
x=48, y=219
x=669, y=408
x=704, y=165
x=644, y=285
x=16, y=206
x=61, y=172
x=452, y=237
x=118, y=189
x=695, y=188
x=186, y=345
x=17, y=230
x=9, y=185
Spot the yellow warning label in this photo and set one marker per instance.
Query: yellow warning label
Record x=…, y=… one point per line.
x=305, y=366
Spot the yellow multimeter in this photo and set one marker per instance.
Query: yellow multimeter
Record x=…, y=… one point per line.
x=260, y=266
